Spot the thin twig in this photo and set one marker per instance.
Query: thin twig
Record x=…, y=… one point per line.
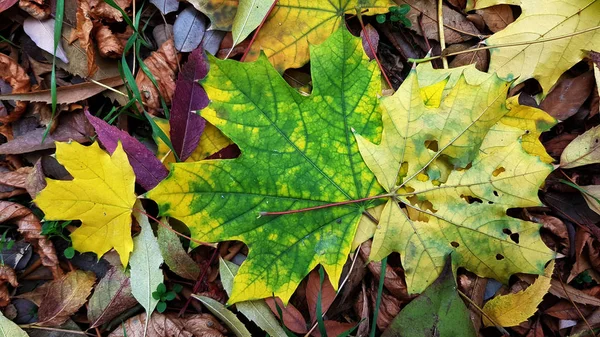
x=440, y=20
x=75, y=332
x=199, y=282
x=576, y=308
x=109, y=87
x=498, y=326
x=366, y=35
x=514, y=44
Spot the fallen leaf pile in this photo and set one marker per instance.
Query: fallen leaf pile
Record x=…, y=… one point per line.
x=300, y=168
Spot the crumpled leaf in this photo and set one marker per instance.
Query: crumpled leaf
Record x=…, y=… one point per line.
x=65, y=296
x=199, y=325
x=249, y=15
x=11, y=72
x=112, y=296
x=111, y=44
x=175, y=256
x=101, y=9
x=39, y=9
x=163, y=65
x=10, y=329
x=541, y=19
x=146, y=259
x=220, y=12
x=228, y=317
x=438, y=311
x=186, y=125
x=434, y=123
x=42, y=33
x=148, y=170
x=583, y=150
x=30, y=227
x=83, y=33
x=282, y=167
x=257, y=311
x=101, y=195
x=188, y=29
x=294, y=25
x=7, y=275
x=212, y=140
x=166, y=6
x=513, y=309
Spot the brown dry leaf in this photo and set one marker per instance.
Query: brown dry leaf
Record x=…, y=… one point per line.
x=568, y=96
x=35, y=181
x=16, y=178
x=333, y=328
x=163, y=65
x=65, y=296
x=7, y=275
x=497, y=17
x=100, y=9
x=292, y=318
x=474, y=287
x=108, y=43
x=71, y=126
x=388, y=309
x=392, y=282
x=39, y=9
x=30, y=227
x=312, y=291
x=576, y=295
x=556, y=145
x=200, y=325
x=112, y=296
x=36, y=295
x=564, y=309
x=83, y=32
x=452, y=19
x=481, y=58
x=67, y=94
x=13, y=74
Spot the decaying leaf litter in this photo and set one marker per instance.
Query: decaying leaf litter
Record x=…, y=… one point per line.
x=283, y=168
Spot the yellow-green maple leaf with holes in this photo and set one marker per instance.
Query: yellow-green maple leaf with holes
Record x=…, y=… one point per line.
x=293, y=25
x=539, y=20
x=101, y=195
x=297, y=152
x=454, y=165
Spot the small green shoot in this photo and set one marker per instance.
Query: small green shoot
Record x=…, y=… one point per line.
x=5, y=243
x=163, y=296
x=397, y=14
x=56, y=229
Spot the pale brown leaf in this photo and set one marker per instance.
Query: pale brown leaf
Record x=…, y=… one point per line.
x=39, y=9
x=200, y=325
x=13, y=74
x=7, y=275
x=16, y=178
x=65, y=296
x=497, y=17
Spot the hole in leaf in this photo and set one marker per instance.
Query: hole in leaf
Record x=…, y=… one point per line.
x=496, y=193
x=490, y=202
x=454, y=244
x=527, y=132
x=515, y=237
x=499, y=257
x=506, y=231
x=432, y=145
x=498, y=170
x=471, y=199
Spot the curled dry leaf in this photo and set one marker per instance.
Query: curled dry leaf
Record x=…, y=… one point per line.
x=7, y=275
x=30, y=227
x=392, y=282
x=39, y=9
x=13, y=74
x=83, y=32
x=201, y=325
x=65, y=296
x=110, y=44
x=16, y=178
x=163, y=65
x=101, y=9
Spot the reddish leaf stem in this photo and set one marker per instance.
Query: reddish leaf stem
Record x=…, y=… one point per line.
x=366, y=35
x=199, y=282
x=347, y=202
x=256, y=31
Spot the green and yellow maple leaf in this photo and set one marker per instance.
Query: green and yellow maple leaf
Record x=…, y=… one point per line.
x=297, y=152
x=293, y=25
x=454, y=164
x=544, y=19
x=101, y=195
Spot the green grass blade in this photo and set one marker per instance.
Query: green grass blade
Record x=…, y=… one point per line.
x=58, y=21
x=378, y=301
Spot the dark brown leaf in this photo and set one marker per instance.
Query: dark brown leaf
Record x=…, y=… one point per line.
x=312, y=291
x=292, y=318
x=497, y=17
x=568, y=96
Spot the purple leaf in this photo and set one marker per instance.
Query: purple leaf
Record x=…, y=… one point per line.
x=149, y=171
x=186, y=125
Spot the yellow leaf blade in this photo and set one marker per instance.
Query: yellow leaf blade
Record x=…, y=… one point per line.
x=101, y=195
x=513, y=309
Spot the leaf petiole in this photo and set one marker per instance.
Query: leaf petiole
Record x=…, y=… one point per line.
x=347, y=202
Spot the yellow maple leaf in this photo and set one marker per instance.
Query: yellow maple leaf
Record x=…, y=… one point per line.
x=513, y=309
x=293, y=25
x=573, y=24
x=101, y=195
